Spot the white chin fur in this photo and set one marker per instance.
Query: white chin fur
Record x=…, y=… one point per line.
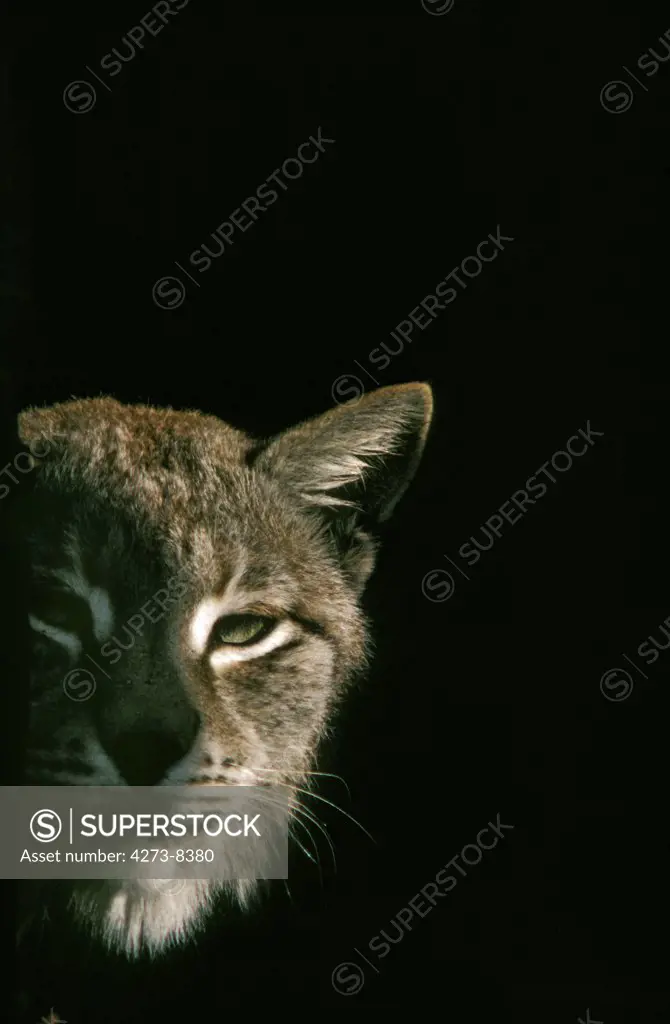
x=146, y=916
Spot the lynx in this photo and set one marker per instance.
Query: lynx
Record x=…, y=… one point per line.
x=257, y=552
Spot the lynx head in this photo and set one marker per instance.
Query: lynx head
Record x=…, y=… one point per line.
x=195, y=603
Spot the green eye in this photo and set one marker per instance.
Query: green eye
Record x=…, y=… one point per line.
x=241, y=629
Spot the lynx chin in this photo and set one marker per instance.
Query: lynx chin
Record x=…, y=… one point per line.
x=257, y=552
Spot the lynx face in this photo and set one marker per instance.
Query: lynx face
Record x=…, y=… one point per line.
x=209, y=585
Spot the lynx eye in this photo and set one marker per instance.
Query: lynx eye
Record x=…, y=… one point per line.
x=61, y=608
x=239, y=630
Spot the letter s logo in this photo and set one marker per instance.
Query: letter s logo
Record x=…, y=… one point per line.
x=45, y=826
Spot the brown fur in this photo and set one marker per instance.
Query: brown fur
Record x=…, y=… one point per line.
x=144, y=496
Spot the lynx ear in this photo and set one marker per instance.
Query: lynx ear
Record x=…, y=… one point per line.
x=358, y=458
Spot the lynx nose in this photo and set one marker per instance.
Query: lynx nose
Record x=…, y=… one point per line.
x=144, y=756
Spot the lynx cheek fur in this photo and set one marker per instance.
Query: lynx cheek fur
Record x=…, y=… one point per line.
x=257, y=552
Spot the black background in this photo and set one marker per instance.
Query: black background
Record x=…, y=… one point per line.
x=445, y=127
